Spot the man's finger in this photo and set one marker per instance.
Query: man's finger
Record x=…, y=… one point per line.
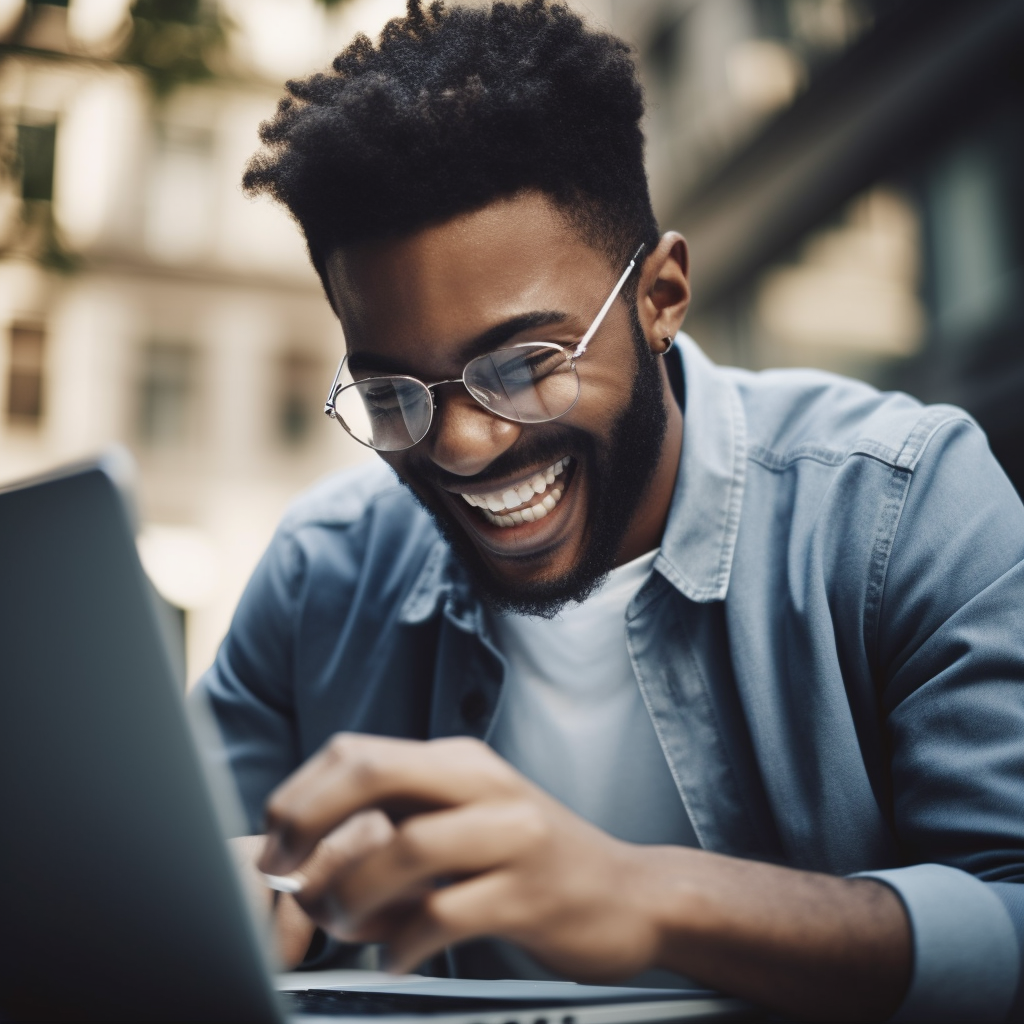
x=459, y=912
x=444, y=844
x=339, y=849
x=334, y=855
x=353, y=772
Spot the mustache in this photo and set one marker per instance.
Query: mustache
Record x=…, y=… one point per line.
x=527, y=453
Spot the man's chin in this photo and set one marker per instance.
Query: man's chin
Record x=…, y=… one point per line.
x=527, y=583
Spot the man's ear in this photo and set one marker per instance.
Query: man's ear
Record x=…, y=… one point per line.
x=663, y=295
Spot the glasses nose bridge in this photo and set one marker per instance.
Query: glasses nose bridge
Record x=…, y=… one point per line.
x=453, y=380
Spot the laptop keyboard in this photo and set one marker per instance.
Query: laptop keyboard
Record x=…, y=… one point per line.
x=339, y=1003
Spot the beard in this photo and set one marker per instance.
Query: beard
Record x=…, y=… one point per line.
x=618, y=472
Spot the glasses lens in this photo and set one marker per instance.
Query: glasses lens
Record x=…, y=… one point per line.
x=529, y=383
x=386, y=413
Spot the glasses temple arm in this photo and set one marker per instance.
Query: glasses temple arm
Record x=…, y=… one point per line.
x=592, y=330
x=329, y=404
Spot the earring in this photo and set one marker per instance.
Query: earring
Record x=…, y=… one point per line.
x=669, y=342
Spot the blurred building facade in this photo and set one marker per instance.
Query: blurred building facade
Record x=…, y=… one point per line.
x=846, y=172
x=144, y=301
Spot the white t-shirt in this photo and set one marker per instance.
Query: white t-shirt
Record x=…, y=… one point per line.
x=573, y=720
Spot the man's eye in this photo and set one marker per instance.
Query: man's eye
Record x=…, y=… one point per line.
x=542, y=363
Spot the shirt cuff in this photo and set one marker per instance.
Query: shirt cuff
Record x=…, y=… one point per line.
x=966, y=954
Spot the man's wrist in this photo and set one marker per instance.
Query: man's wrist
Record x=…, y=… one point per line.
x=664, y=897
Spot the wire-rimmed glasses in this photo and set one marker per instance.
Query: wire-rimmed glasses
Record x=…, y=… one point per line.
x=531, y=382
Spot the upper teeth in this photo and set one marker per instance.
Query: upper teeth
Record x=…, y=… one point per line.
x=515, y=497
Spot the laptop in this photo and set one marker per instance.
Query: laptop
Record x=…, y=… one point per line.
x=119, y=899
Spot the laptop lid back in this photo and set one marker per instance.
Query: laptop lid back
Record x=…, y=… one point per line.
x=118, y=899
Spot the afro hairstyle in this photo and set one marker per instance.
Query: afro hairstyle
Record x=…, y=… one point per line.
x=457, y=107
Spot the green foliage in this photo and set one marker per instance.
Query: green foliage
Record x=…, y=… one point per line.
x=174, y=42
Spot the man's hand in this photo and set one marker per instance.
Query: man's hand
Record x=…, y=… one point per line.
x=293, y=930
x=421, y=845
x=493, y=855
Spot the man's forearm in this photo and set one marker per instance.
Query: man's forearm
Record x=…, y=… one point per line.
x=809, y=944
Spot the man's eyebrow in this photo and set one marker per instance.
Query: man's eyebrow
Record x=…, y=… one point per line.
x=363, y=362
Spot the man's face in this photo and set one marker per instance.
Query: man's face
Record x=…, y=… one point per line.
x=510, y=273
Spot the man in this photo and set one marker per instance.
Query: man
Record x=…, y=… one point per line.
x=744, y=650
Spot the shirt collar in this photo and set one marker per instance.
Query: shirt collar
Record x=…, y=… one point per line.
x=703, y=520
x=433, y=582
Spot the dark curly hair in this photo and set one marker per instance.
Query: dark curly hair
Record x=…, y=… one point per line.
x=457, y=107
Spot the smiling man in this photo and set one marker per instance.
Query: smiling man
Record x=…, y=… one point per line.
x=539, y=484
x=618, y=662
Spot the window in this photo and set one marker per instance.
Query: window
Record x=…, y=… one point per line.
x=36, y=147
x=299, y=405
x=167, y=388
x=179, y=201
x=25, y=374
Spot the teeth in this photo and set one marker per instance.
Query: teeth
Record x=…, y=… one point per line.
x=517, y=497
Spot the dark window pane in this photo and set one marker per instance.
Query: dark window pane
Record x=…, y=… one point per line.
x=166, y=398
x=299, y=374
x=36, y=144
x=25, y=374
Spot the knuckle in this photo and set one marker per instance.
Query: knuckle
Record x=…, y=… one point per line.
x=364, y=769
x=480, y=758
x=530, y=822
x=338, y=747
x=501, y=776
x=375, y=828
x=410, y=847
x=441, y=912
x=280, y=815
x=467, y=746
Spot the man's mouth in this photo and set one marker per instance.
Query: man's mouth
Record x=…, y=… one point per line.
x=526, y=502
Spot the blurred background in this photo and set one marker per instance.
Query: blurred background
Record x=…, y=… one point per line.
x=848, y=173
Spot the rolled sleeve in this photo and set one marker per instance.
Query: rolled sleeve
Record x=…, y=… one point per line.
x=952, y=660
x=966, y=951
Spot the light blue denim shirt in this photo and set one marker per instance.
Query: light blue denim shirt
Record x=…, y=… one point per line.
x=831, y=647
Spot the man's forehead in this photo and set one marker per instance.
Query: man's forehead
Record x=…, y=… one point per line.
x=460, y=279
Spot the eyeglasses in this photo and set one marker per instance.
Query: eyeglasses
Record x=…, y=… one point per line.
x=532, y=382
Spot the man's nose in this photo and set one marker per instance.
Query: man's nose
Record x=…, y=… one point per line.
x=465, y=439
